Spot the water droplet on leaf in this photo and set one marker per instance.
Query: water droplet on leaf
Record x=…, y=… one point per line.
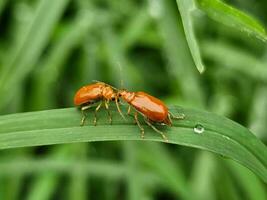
x=199, y=129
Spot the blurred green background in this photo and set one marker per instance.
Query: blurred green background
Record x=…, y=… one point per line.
x=48, y=49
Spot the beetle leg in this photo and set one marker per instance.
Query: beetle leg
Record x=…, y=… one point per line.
x=118, y=107
x=139, y=125
x=181, y=116
x=83, y=113
x=83, y=118
x=129, y=110
x=107, y=108
x=169, y=118
x=130, y=114
x=97, y=108
x=155, y=129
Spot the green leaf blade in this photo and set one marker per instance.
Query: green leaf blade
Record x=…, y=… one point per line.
x=186, y=7
x=31, y=46
x=221, y=135
x=232, y=17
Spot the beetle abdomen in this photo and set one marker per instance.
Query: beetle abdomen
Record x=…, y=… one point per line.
x=153, y=108
x=88, y=93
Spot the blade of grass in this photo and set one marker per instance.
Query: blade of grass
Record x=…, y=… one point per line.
x=226, y=187
x=14, y=184
x=118, y=62
x=46, y=183
x=252, y=187
x=202, y=176
x=170, y=172
x=89, y=68
x=135, y=28
x=46, y=77
x=230, y=16
x=78, y=188
x=29, y=50
x=177, y=52
x=258, y=118
x=222, y=102
x=237, y=59
x=220, y=135
x=135, y=186
x=99, y=168
x=93, y=168
x=186, y=7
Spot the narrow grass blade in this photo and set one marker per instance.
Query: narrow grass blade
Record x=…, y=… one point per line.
x=171, y=172
x=118, y=62
x=178, y=54
x=258, y=118
x=203, y=173
x=98, y=168
x=230, y=16
x=238, y=59
x=247, y=179
x=135, y=185
x=135, y=28
x=53, y=65
x=78, y=187
x=218, y=134
x=226, y=187
x=31, y=46
x=186, y=7
x=45, y=184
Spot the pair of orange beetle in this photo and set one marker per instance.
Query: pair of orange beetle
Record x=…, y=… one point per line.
x=152, y=109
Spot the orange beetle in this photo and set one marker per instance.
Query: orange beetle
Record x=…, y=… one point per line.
x=151, y=108
x=92, y=93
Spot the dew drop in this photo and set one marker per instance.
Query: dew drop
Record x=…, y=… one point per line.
x=199, y=129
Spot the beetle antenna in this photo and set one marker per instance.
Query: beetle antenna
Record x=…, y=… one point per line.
x=96, y=81
x=121, y=82
x=113, y=87
x=121, y=79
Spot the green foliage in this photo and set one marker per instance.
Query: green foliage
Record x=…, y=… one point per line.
x=61, y=126
x=32, y=43
x=186, y=8
x=231, y=16
x=48, y=49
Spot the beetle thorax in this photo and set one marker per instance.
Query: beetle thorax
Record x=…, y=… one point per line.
x=108, y=93
x=127, y=96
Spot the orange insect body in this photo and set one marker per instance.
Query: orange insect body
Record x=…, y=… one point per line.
x=151, y=107
x=89, y=94
x=93, y=92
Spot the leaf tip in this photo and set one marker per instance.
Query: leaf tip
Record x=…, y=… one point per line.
x=201, y=68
